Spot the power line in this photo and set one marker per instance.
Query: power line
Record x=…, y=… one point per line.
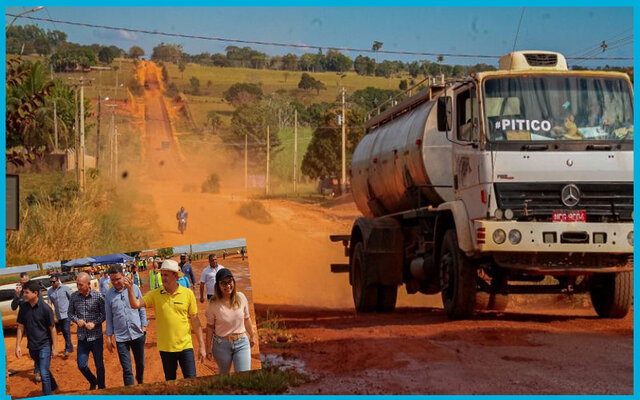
x=280, y=44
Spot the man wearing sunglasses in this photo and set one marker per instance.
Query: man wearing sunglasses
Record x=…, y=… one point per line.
x=59, y=296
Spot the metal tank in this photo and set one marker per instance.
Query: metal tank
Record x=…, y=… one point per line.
x=402, y=164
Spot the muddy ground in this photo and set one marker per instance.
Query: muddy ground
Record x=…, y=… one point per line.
x=417, y=350
x=70, y=379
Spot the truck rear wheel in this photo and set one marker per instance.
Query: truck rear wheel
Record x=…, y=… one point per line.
x=365, y=297
x=458, y=279
x=612, y=294
x=387, y=296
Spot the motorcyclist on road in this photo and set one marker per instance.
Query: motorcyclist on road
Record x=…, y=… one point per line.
x=182, y=215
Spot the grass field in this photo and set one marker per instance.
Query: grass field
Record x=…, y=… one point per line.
x=215, y=80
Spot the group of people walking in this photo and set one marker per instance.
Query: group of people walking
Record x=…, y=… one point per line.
x=229, y=331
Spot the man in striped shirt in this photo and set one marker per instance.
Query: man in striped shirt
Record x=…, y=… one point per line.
x=86, y=309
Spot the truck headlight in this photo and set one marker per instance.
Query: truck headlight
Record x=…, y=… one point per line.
x=515, y=236
x=508, y=213
x=630, y=238
x=499, y=236
x=498, y=214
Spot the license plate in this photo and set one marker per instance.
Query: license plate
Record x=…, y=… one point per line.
x=569, y=216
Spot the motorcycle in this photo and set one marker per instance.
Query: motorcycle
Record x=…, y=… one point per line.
x=182, y=225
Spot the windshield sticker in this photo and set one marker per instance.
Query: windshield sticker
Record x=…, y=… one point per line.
x=523, y=124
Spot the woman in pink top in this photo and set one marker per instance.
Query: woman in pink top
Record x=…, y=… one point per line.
x=228, y=324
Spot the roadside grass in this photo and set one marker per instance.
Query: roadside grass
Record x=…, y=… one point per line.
x=273, y=330
x=265, y=381
x=74, y=224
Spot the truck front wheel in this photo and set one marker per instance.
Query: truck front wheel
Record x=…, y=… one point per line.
x=612, y=294
x=458, y=279
x=365, y=296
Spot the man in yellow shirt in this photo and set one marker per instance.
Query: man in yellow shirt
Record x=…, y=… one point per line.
x=174, y=306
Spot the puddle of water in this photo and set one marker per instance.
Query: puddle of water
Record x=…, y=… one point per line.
x=276, y=360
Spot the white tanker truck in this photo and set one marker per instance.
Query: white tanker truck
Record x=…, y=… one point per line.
x=511, y=181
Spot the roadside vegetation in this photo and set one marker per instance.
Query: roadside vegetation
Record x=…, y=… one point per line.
x=58, y=221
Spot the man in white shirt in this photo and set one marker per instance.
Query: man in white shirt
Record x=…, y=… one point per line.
x=208, y=277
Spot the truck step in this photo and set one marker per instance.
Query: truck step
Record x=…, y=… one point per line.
x=340, y=238
x=339, y=268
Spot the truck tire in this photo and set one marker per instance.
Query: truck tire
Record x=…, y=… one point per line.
x=364, y=297
x=458, y=279
x=387, y=295
x=612, y=294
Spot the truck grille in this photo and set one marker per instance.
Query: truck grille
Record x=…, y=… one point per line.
x=602, y=201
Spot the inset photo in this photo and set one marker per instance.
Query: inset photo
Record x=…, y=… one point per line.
x=107, y=322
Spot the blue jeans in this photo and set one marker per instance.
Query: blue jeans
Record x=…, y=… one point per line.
x=43, y=356
x=65, y=327
x=226, y=352
x=95, y=347
x=137, y=347
x=170, y=360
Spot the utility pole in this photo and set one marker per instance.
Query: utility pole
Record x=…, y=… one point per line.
x=343, y=183
x=100, y=69
x=82, y=144
x=55, y=118
x=246, y=164
x=113, y=143
x=268, y=159
x=55, y=125
x=295, y=150
x=75, y=137
x=79, y=133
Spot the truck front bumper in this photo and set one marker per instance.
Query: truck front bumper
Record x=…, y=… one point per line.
x=554, y=237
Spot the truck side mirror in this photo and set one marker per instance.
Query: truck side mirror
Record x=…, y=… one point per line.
x=444, y=113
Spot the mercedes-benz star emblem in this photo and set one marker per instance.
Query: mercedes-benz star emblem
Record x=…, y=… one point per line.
x=570, y=195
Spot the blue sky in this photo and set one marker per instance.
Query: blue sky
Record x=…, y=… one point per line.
x=572, y=31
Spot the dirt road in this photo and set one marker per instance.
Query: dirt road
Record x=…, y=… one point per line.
x=419, y=351
x=66, y=372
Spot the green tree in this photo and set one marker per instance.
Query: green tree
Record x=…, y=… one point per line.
x=165, y=252
x=307, y=82
x=182, y=65
x=106, y=54
x=252, y=120
x=336, y=61
x=403, y=85
x=290, y=62
x=195, y=85
x=136, y=52
x=167, y=52
x=242, y=93
x=324, y=154
x=70, y=56
x=364, y=65
x=215, y=121
x=370, y=97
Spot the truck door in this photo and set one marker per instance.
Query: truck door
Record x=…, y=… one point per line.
x=466, y=153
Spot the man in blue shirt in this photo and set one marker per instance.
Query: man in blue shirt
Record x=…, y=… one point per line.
x=127, y=325
x=187, y=270
x=59, y=295
x=104, y=282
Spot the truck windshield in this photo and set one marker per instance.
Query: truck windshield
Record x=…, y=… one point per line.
x=558, y=108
